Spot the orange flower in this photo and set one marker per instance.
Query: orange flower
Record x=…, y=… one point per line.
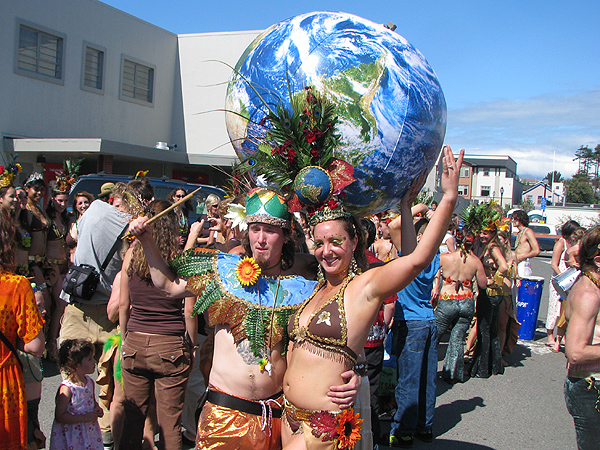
x=247, y=271
x=348, y=429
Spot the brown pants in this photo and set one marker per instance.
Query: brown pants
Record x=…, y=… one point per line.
x=153, y=362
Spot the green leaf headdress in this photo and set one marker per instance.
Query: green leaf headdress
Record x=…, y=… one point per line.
x=297, y=155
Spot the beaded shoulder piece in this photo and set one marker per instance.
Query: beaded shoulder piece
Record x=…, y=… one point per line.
x=259, y=312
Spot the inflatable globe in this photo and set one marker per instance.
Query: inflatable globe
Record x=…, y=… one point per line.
x=390, y=104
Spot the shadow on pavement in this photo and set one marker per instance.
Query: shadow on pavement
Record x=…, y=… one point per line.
x=455, y=445
x=448, y=415
x=518, y=355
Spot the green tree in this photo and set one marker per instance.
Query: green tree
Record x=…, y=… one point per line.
x=527, y=205
x=557, y=177
x=584, y=156
x=579, y=189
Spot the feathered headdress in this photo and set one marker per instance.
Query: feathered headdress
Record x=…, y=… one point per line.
x=66, y=178
x=8, y=173
x=481, y=217
x=297, y=156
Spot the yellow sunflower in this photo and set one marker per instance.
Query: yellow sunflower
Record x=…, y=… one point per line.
x=348, y=428
x=247, y=271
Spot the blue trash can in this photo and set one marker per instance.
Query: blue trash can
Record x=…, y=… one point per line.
x=528, y=306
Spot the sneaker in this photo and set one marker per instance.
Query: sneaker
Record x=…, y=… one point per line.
x=401, y=442
x=425, y=436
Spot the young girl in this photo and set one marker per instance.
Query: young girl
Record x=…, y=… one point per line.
x=76, y=415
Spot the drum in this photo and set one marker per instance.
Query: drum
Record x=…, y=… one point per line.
x=528, y=306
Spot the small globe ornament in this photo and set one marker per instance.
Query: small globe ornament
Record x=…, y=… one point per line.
x=312, y=185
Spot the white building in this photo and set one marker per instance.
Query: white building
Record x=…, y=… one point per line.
x=83, y=79
x=494, y=178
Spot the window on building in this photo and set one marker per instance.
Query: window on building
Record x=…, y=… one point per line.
x=464, y=172
x=539, y=200
x=486, y=171
x=485, y=191
x=40, y=53
x=93, y=68
x=463, y=190
x=137, y=82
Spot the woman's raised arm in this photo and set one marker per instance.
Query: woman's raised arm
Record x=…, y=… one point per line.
x=387, y=280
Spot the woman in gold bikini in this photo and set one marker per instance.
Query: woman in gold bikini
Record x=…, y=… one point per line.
x=331, y=326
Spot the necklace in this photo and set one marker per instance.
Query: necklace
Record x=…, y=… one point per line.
x=264, y=363
x=59, y=234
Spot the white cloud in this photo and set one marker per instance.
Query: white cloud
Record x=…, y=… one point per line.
x=530, y=130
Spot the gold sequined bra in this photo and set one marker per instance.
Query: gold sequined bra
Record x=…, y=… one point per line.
x=327, y=331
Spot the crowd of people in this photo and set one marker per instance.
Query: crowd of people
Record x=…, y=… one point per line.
x=262, y=326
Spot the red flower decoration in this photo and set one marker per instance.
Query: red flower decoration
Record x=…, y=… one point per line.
x=314, y=153
x=324, y=425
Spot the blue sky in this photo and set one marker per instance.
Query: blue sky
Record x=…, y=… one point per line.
x=521, y=78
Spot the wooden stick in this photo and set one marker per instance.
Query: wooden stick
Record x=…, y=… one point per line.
x=170, y=208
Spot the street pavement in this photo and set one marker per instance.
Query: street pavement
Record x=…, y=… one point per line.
x=522, y=409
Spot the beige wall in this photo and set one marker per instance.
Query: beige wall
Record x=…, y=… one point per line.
x=35, y=108
x=203, y=88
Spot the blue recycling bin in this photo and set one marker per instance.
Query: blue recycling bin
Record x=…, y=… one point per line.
x=528, y=306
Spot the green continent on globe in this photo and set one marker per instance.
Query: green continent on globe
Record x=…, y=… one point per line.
x=309, y=191
x=351, y=106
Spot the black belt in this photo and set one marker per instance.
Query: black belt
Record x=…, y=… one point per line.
x=239, y=404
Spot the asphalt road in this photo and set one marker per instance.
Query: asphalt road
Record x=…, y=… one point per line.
x=523, y=409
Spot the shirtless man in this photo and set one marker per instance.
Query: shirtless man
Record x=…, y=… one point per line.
x=383, y=248
x=245, y=388
x=526, y=245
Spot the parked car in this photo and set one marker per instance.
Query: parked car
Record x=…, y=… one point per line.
x=162, y=188
x=544, y=234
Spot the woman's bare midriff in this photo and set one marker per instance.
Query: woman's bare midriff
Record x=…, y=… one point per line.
x=308, y=379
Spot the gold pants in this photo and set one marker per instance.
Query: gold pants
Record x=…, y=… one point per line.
x=225, y=428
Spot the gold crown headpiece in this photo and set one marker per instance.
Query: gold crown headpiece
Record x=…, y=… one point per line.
x=8, y=173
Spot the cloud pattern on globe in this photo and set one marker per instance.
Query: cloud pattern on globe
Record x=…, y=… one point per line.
x=391, y=106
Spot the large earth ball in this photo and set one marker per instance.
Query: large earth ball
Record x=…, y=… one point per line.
x=391, y=106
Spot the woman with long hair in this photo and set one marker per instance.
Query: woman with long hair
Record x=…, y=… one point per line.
x=456, y=304
x=37, y=225
x=156, y=355
x=81, y=202
x=582, y=348
x=182, y=212
x=57, y=259
x=331, y=327
x=487, y=359
x=21, y=324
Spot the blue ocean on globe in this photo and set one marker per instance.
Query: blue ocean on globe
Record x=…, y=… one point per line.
x=391, y=107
